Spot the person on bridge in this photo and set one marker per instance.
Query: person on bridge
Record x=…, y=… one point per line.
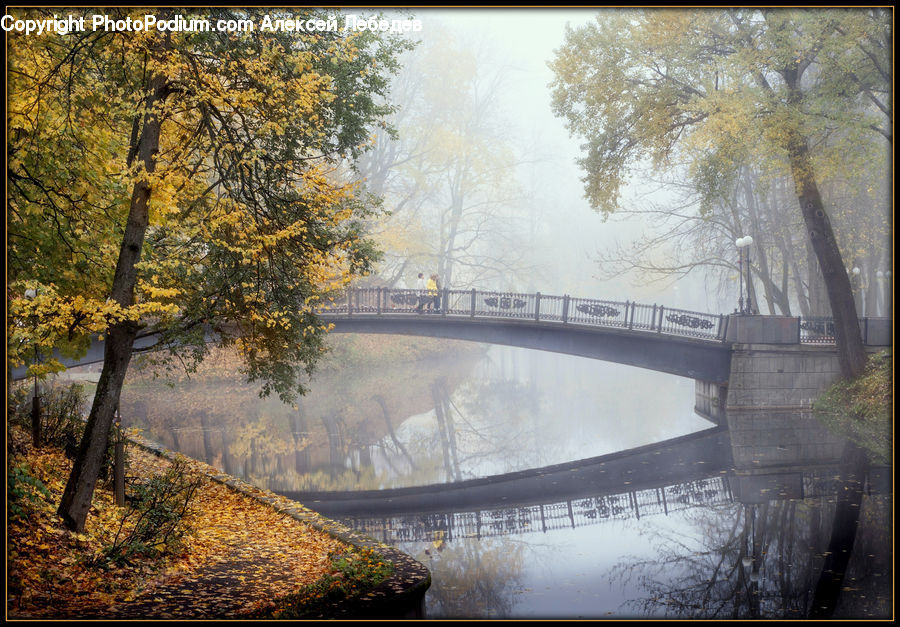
x=421, y=292
x=433, y=291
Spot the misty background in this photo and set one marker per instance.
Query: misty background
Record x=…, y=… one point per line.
x=478, y=144
x=481, y=185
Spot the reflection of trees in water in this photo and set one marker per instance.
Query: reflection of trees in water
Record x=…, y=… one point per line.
x=500, y=415
x=486, y=420
x=743, y=561
x=333, y=439
x=389, y=423
x=472, y=578
x=869, y=591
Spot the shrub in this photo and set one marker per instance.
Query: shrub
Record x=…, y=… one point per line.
x=155, y=520
x=63, y=409
x=861, y=409
x=21, y=485
x=62, y=412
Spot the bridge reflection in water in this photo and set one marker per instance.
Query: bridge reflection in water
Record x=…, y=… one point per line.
x=656, y=479
x=544, y=517
x=570, y=513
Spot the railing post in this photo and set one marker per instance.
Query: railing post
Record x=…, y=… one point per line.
x=350, y=300
x=631, y=320
x=625, y=319
x=537, y=307
x=653, y=317
x=719, y=329
x=473, y=302
x=659, y=328
x=378, y=301
x=445, y=301
x=565, y=313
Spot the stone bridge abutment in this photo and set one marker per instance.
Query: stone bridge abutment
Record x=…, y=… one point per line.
x=767, y=403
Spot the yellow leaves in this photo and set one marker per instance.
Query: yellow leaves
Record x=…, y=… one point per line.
x=237, y=538
x=41, y=370
x=160, y=292
x=229, y=195
x=49, y=320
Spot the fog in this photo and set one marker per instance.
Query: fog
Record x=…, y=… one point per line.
x=484, y=189
x=543, y=236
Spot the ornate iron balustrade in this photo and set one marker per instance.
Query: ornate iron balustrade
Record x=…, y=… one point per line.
x=564, y=309
x=570, y=513
x=817, y=330
x=538, y=307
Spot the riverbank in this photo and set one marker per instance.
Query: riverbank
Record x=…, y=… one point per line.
x=246, y=552
x=862, y=409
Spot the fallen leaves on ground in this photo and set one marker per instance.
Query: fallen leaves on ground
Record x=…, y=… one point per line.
x=240, y=554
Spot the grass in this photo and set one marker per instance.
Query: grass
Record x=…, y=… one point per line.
x=861, y=409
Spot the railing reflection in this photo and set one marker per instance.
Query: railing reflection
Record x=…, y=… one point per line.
x=571, y=513
x=545, y=517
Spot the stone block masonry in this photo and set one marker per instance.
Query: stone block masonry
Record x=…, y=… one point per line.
x=779, y=376
x=768, y=406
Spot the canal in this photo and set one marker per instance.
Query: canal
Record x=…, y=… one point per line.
x=533, y=485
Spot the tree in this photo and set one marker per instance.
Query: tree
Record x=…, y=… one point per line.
x=449, y=179
x=182, y=183
x=790, y=91
x=694, y=234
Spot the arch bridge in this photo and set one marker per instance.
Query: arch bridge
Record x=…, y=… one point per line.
x=686, y=343
x=691, y=344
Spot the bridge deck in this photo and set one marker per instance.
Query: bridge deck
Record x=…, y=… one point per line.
x=687, y=343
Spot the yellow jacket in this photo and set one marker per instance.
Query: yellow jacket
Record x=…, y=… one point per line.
x=431, y=286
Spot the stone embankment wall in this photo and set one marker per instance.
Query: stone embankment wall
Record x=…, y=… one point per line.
x=773, y=383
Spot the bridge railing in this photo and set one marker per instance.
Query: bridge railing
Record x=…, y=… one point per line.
x=582, y=311
x=538, y=307
x=605, y=313
x=816, y=330
x=692, y=323
x=875, y=331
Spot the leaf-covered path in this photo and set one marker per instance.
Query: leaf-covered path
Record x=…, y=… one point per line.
x=252, y=554
x=248, y=547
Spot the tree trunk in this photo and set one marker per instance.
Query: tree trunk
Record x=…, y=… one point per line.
x=851, y=352
x=761, y=258
x=818, y=300
x=208, y=450
x=76, y=499
x=36, y=418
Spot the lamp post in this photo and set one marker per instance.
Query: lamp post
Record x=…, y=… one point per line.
x=36, y=399
x=884, y=290
x=861, y=306
x=744, y=243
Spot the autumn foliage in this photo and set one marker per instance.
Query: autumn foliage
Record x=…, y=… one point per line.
x=188, y=185
x=262, y=554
